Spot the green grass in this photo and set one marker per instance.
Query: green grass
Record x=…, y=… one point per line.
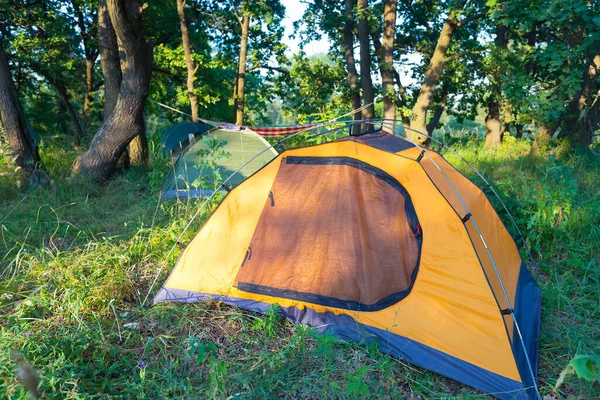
x=77, y=260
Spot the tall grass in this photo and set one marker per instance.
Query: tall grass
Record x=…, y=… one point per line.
x=76, y=261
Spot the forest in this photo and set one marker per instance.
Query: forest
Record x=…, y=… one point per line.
x=89, y=87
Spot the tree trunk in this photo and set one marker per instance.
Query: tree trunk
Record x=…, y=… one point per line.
x=387, y=55
x=508, y=117
x=89, y=85
x=351, y=64
x=519, y=131
x=432, y=78
x=12, y=122
x=437, y=115
x=191, y=68
x=109, y=57
x=138, y=150
x=365, y=59
x=492, y=124
x=401, y=98
x=545, y=132
x=64, y=99
x=127, y=119
x=576, y=122
x=241, y=76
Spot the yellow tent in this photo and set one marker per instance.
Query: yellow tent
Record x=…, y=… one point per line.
x=375, y=239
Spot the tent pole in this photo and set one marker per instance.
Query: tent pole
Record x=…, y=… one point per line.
x=506, y=297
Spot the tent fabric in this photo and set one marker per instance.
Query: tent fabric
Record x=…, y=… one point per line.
x=329, y=232
x=190, y=176
x=177, y=137
x=273, y=131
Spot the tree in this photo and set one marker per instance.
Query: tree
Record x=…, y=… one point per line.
x=434, y=72
x=191, y=67
x=493, y=132
x=241, y=72
x=12, y=121
x=46, y=42
x=387, y=59
x=365, y=59
x=350, y=62
x=552, y=77
x=109, y=58
x=127, y=119
x=318, y=78
x=85, y=16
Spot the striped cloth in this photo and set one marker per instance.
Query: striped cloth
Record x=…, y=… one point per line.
x=279, y=130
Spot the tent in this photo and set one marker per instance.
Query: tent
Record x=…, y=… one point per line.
x=178, y=136
x=375, y=240
x=238, y=149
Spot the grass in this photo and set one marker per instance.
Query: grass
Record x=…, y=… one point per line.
x=77, y=260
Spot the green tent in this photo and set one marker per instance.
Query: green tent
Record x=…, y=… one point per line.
x=212, y=158
x=177, y=137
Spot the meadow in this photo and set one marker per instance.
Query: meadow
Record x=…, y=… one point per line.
x=77, y=261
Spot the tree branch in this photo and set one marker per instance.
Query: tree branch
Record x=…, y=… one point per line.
x=260, y=66
x=469, y=19
x=459, y=55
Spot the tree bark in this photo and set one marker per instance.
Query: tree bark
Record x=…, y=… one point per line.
x=493, y=131
x=127, y=119
x=432, y=78
x=437, y=115
x=138, y=150
x=63, y=96
x=191, y=68
x=91, y=54
x=401, y=98
x=492, y=124
x=109, y=58
x=508, y=116
x=12, y=121
x=577, y=124
x=387, y=65
x=351, y=64
x=241, y=75
x=89, y=85
x=365, y=59
x=64, y=99
x=543, y=137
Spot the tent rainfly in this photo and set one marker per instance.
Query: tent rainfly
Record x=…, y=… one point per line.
x=242, y=149
x=375, y=240
x=179, y=136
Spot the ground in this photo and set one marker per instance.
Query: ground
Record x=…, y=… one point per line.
x=77, y=261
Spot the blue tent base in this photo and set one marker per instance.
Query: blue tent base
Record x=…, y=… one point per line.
x=345, y=327
x=192, y=193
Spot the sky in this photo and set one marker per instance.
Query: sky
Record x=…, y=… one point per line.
x=294, y=10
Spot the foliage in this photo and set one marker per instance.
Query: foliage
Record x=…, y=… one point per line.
x=211, y=176
x=317, y=78
x=585, y=367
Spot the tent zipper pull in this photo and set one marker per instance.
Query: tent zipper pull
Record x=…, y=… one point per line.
x=272, y=197
x=418, y=232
